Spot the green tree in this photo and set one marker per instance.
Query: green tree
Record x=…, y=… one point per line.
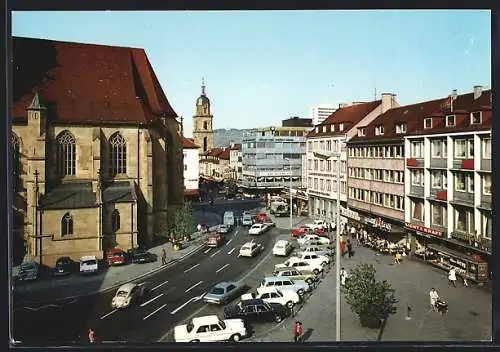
x=371, y=300
x=181, y=222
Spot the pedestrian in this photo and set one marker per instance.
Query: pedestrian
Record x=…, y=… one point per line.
x=397, y=258
x=343, y=276
x=297, y=331
x=466, y=283
x=342, y=248
x=434, y=296
x=91, y=335
x=163, y=256
x=452, y=277
x=349, y=249
x=198, y=228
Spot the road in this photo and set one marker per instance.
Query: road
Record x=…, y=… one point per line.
x=170, y=302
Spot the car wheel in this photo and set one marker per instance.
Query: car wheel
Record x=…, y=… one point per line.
x=290, y=304
x=236, y=337
x=278, y=318
x=194, y=341
x=301, y=292
x=310, y=281
x=324, y=264
x=316, y=271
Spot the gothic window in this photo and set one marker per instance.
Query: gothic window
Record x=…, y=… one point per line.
x=118, y=157
x=115, y=220
x=66, y=225
x=16, y=163
x=66, y=154
x=205, y=125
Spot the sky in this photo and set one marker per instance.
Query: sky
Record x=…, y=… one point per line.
x=261, y=67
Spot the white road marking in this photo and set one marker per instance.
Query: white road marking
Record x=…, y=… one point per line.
x=108, y=314
x=231, y=251
x=208, y=250
x=222, y=268
x=151, y=300
x=236, y=233
x=229, y=241
x=158, y=286
x=191, y=268
x=182, y=306
x=154, y=312
x=140, y=283
x=214, y=254
x=189, y=289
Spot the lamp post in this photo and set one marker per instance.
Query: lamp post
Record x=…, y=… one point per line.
x=337, y=241
x=290, y=194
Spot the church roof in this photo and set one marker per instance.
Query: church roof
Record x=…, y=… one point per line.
x=86, y=83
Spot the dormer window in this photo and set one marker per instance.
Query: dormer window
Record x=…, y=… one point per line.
x=316, y=130
x=475, y=118
x=379, y=130
x=450, y=121
x=332, y=128
x=428, y=122
x=401, y=128
x=324, y=128
x=341, y=127
x=362, y=132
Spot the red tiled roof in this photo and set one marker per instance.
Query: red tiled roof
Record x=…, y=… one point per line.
x=86, y=83
x=225, y=154
x=349, y=116
x=188, y=143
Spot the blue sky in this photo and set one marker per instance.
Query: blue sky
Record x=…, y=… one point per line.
x=262, y=67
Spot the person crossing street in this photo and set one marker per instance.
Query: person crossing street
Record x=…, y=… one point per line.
x=297, y=331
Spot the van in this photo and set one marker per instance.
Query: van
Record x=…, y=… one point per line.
x=228, y=218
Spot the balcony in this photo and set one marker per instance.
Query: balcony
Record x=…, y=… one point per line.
x=417, y=191
x=439, y=194
x=465, y=198
x=486, y=201
x=486, y=165
x=439, y=163
x=414, y=162
x=465, y=164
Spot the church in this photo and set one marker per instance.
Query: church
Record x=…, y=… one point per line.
x=96, y=148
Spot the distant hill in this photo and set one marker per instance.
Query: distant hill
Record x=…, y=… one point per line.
x=224, y=137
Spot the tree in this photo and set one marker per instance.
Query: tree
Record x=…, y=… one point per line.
x=371, y=300
x=181, y=222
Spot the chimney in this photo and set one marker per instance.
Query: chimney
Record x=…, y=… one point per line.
x=454, y=93
x=342, y=105
x=387, y=101
x=478, y=90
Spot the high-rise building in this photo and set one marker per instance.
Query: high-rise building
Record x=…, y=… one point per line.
x=320, y=113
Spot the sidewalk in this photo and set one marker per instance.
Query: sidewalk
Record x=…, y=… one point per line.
x=74, y=286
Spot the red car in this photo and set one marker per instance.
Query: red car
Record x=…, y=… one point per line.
x=215, y=240
x=116, y=256
x=304, y=230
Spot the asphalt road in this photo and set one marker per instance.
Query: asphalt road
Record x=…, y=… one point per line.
x=170, y=302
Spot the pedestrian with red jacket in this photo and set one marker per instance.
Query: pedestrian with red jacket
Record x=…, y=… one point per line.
x=91, y=335
x=297, y=331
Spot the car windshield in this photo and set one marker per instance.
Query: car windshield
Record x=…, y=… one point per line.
x=122, y=293
x=279, y=246
x=245, y=248
x=217, y=291
x=116, y=254
x=90, y=262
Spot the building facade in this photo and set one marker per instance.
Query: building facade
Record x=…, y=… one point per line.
x=203, y=133
x=448, y=175
x=329, y=138
x=215, y=163
x=320, y=113
x=191, y=167
x=96, y=151
x=235, y=161
x=271, y=156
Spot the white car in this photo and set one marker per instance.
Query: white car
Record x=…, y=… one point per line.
x=313, y=258
x=317, y=224
x=210, y=329
x=126, y=295
x=313, y=239
x=257, y=229
x=282, y=248
x=271, y=294
x=250, y=249
x=300, y=265
x=88, y=265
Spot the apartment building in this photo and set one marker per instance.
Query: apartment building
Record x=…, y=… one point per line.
x=320, y=113
x=235, y=161
x=271, y=155
x=376, y=167
x=328, y=138
x=448, y=175
x=215, y=162
x=191, y=153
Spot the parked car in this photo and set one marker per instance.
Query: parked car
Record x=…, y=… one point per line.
x=116, y=256
x=224, y=292
x=127, y=295
x=282, y=248
x=313, y=258
x=257, y=229
x=64, y=266
x=316, y=224
x=313, y=240
x=210, y=329
x=223, y=229
x=286, y=298
x=29, y=271
x=215, y=240
x=296, y=274
x=250, y=249
x=317, y=250
x=298, y=286
x=256, y=310
x=300, y=265
x=305, y=230
x=141, y=256
x=88, y=265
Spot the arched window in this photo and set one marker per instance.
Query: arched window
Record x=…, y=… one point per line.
x=205, y=125
x=115, y=220
x=16, y=162
x=66, y=225
x=66, y=154
x=118, y=156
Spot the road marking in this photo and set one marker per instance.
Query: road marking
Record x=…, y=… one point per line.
x=154, y=312
x=182, y=306
x=191, y=268
x=158, y=286
x=51, y=305
x=213, y=255
x=221, y=268
x=140, y=283
x=231, y=251
x=208, y=250
x=151, y=300
x=108, y=314
x=229, y=241
x=189, y=289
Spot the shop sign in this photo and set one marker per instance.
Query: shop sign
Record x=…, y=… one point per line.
x=424, y=229
x=379, y=223
x=348, y=213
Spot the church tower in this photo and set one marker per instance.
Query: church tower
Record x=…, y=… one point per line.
x=203, y=133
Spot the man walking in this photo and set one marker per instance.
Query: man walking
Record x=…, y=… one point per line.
x=452, y=277
x=350, y=252
x=343, y=276
x=297, y=331
x=434, y=296
x=163, y=257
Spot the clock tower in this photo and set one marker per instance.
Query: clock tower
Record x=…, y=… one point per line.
x=203, y=133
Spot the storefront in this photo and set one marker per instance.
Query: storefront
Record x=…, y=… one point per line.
x=383, y=227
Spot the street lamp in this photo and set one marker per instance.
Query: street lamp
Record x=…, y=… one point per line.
x=290, y=190
x=337, y=246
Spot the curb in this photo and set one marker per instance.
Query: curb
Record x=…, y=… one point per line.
x=117, y=284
